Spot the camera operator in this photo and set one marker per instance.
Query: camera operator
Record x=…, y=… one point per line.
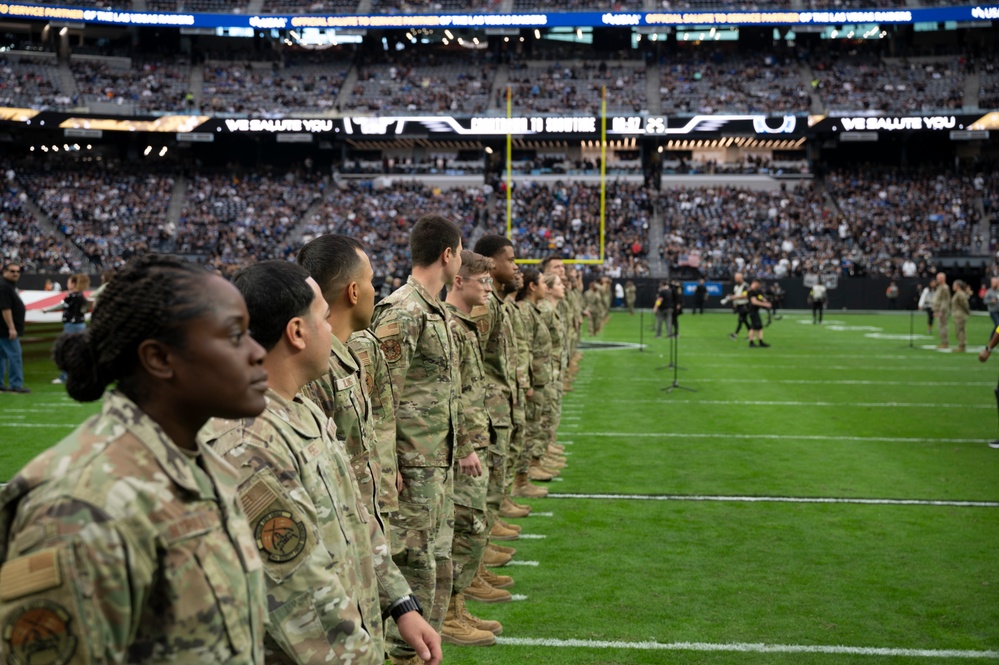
x=757, y=301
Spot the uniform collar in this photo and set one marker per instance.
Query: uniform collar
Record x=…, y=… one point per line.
x=344, y=355
x=291, y=412
x=455, y=312
x=118, y=407
x=431, y=300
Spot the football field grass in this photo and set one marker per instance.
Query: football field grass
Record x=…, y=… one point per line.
x=828, y=500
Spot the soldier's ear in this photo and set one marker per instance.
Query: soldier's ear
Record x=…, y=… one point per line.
x=353, y=293
x=294, y=333
x=155, y=359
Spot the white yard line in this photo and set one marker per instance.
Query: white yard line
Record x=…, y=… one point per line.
x=777, y=499
x=772, y=437
x=746, y=648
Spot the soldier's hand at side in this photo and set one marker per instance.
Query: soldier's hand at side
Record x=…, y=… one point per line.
x=398, y=481
x=421, y=636
x=984, y=355
x=470, y=465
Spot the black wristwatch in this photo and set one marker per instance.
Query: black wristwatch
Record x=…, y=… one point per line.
x=402, y=606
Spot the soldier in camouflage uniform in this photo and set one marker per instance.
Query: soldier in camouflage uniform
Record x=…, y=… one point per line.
x=518, y=462
x=499, y=354
x=529, y=299
x=465, y=300
x=342, y=270
x=411, y=325
x=552, y=317
x=594, y=305
x=330, y=577
x=378, y=387
x=124, y=543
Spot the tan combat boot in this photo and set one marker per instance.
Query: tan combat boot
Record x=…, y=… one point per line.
x=500, y=532
x=481, y=591
x=494, y=627
x=458, y=631
x=550, y=461
x=511, y=509
x=494, y=580
x=523, y=488
x=536, y=472
x=515, y=527
x=556, y=448
x=500, y=548
x=495, y=559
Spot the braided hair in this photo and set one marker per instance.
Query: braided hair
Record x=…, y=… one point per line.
x=151, y=298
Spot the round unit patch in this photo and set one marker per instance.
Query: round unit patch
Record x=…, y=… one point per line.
x=369, y=382
x=483, y=325
x=39, y=633
x=392, y=350
x=280, y=536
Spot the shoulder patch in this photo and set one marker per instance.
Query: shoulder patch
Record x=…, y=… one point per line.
x=39, y=632
x=280, y=537
x=387, y=330
x=30, y=574
x=364, y=356
x=392, y=350
x=483, y=326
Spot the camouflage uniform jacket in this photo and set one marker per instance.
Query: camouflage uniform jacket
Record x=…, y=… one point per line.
x=119, y=547
x=540, y=343
x=340, y=395
x=499, y=356
x=519, y=319
x=411, y=325
x=378, y=387
x=329, y=572
x=552, y=319
x=473, y=430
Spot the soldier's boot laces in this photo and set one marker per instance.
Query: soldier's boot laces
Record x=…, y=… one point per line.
x=456, y=630
x=516, y=528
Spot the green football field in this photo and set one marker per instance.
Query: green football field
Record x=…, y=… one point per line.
x=828, y=500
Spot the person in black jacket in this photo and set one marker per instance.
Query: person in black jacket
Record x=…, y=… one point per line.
x=74, y=310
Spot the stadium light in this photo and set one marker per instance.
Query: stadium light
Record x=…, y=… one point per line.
x=537, y=34
x=449, y=35
x=148, y=150
x=163, y=151
x=489, y=150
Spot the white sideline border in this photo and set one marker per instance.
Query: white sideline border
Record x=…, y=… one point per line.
x=777, y=499
x=746, y=648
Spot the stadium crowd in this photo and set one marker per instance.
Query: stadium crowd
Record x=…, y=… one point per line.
x=700, y=79
x=563, y=219
x=851, y=222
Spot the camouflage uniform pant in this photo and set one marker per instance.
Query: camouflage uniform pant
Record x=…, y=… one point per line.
x=516, y=461
x=538, y=425
x=497, y=454
x=422, y=532
x=554, y=396
x=471, y=531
